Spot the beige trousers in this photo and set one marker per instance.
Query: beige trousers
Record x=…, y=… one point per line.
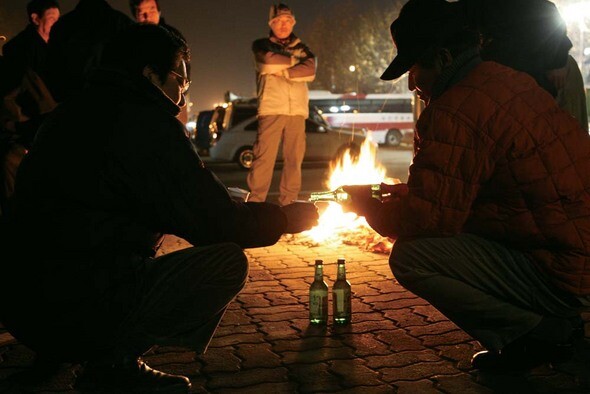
x=271, y=129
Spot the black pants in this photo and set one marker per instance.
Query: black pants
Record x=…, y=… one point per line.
x=176, y=299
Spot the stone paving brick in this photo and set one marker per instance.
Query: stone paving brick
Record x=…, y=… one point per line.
x=372, y=325
x=235, y=317
x=254, y=300
x=296, y=273
x=278, y=330
x=399, y=340
x=430, y=313
x=420, y=386
x=438, y=328
x=359, y=317
x=401, y=359
x=418, y=371
x=283, y=298
x=220, y=360
x=382, y=298
x=258, y=356
x=354, y=373
x=360, y=308
x=399, y=303
x=318, y=355
x=299, y=313
x=382, y=389
x=452, y=337
x=365, y=344
x=229, y=340
x=225, y=330
x=259, y=275
x=313, y=378
x=366, y=290
x=405, y=318
x=306, y=343
x=248, y=378
x=251, y=289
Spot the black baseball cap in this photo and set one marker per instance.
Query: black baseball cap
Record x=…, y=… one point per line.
x=421, y=24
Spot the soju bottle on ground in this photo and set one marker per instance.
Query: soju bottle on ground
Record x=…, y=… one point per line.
x=318, y=296
x=341, y=296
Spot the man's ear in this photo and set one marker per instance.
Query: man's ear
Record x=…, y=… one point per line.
x=151, y=75
x=35, y=19
x=445, y=58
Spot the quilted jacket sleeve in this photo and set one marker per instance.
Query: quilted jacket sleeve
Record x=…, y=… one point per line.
x=450, y=164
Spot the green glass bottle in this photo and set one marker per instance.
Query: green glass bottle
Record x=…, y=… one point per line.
x=318, y=296
x=341, y=296
x=340, y=196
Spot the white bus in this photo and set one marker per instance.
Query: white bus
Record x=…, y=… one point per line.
x=389, y=117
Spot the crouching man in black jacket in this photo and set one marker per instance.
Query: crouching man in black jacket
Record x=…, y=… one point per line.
x=109, y=173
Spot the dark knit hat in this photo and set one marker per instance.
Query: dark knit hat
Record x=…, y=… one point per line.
x=280, y=9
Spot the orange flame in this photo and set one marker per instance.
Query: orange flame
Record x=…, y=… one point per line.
x=350, y=169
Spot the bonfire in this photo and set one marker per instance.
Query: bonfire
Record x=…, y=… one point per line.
x=337, y=226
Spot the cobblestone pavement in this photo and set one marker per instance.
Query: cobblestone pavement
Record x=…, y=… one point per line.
x=397, y=342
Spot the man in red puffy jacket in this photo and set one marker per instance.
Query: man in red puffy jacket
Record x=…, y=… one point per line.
x=493, y=226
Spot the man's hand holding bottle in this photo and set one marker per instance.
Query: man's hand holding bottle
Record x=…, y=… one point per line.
x=301, y=216
x=363, y=201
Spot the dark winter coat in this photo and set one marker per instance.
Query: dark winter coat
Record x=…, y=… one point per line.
x=107, y=175
x=26, y=49
x=495, y=156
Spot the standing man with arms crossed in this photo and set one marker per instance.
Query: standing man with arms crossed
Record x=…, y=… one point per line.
x=284, y=65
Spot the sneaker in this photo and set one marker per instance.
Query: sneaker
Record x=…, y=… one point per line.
x=132, y=376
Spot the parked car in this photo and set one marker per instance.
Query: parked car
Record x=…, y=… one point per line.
x=234, y=128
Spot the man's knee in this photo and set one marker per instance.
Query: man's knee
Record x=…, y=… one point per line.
x=400, y=262
x=236, y=264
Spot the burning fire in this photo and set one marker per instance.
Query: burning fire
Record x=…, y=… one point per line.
x=337, y=225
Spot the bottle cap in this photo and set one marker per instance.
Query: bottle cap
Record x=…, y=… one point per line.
x=341, y=261
x=319, y=262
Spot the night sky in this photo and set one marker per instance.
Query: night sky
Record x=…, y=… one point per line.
x=219, y=33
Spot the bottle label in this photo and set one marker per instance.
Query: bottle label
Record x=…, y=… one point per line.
x=317, y=305
x=341, y=304
x=318, y=308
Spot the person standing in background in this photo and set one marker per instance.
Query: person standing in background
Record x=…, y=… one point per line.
x=148, y=11
x=29, y=47
x=25, y=99
x=284, y=65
